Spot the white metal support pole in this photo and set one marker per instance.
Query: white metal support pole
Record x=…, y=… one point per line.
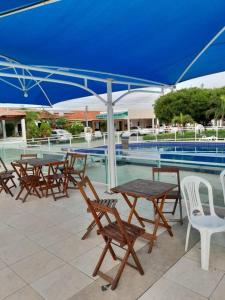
x=195, y=133
x=23, y=128
x=111, y=139
x=3, y=130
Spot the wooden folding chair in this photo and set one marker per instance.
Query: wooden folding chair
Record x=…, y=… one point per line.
x=56, y=180
x=8, y=174
x=86, y=183
x=29, y=183
x=119, y=233
x=28, y=156
x=174, y=195
x=76, y=167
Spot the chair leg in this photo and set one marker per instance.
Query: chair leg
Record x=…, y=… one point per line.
x=98, y=266
x=187, y=236
x=175, y=206
x=13, y=182
x=181, y=214
x=89, y=229
x=20, y=192
x=120, y=271
x=137, y=262
x=205, y=249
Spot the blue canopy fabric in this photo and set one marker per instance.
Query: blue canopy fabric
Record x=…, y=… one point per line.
x=151, y=40
x=8, y=6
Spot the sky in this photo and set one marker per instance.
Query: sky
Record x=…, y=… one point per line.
x=145, y=100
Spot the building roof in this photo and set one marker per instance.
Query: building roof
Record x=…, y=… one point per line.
x=11, y=114
x=81, y=115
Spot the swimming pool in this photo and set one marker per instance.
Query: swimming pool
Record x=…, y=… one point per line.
x=206, y=153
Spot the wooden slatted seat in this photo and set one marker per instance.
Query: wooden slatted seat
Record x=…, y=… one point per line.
x=10, y=176
x=85, y=185
x=112, y=231
x=28, y=182
x=56, y=180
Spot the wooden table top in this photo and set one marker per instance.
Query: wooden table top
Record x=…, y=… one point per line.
x=148, y=189
x=36, y=162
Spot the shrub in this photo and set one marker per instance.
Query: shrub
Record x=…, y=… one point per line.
x=76, y=128
x=61, y=122
x=45, y=129
x=33, y=130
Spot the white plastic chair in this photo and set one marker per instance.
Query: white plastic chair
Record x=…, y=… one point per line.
x=206, y=224
x=222, y=180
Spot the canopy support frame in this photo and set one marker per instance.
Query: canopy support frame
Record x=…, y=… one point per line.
x=200, y=54
x=111, y=167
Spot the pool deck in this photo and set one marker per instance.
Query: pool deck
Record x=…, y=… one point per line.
x=42, y=256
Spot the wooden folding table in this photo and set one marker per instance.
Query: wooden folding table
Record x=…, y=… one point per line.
x=154, y=191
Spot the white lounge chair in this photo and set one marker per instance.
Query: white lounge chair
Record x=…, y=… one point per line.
x=206, y=224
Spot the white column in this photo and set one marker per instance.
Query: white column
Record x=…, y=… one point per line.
x=23, y=128
x=111, y=139
x=153, y=123
x=128, y=124
x=4, y=129
x=16, y=129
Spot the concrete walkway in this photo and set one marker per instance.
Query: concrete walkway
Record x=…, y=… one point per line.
x=42, y=256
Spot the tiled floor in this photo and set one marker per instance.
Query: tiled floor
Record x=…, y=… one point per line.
x=42, y=256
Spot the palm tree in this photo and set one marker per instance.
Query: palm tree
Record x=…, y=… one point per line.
x=218, y=109
x=182, y=119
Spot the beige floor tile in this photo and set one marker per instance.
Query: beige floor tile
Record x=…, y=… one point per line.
x=165, y=289
x=218, y=239
x=18, y=250
x=50, y=236
x=86, y=263
x=9, y=235
x=29, y=224
x=36, y=266
x=71, y=248
x=188, y=273
x=9, y=283
x=219, y=292
x=217, y=256
x=61, y=284
x=55, y=215
x=26, y=293
x=78, y=224
x=2, y=264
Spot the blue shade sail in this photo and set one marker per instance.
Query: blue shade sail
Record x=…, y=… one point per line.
x=9, y=6
x=151, y=40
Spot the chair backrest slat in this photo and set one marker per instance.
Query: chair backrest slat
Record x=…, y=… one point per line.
x=19, y=169
x=77, y=160
x=102, y=207
x=170, y=170
x=190, y=187
x=29, y=155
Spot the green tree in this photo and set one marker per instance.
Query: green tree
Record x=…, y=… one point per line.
x=182, y=119
x=45, y=129
x=194, y=102
x=61, y=122
x=31, y=125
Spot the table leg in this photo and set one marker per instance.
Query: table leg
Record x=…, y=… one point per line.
x=159, y=215
x=133, y=210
